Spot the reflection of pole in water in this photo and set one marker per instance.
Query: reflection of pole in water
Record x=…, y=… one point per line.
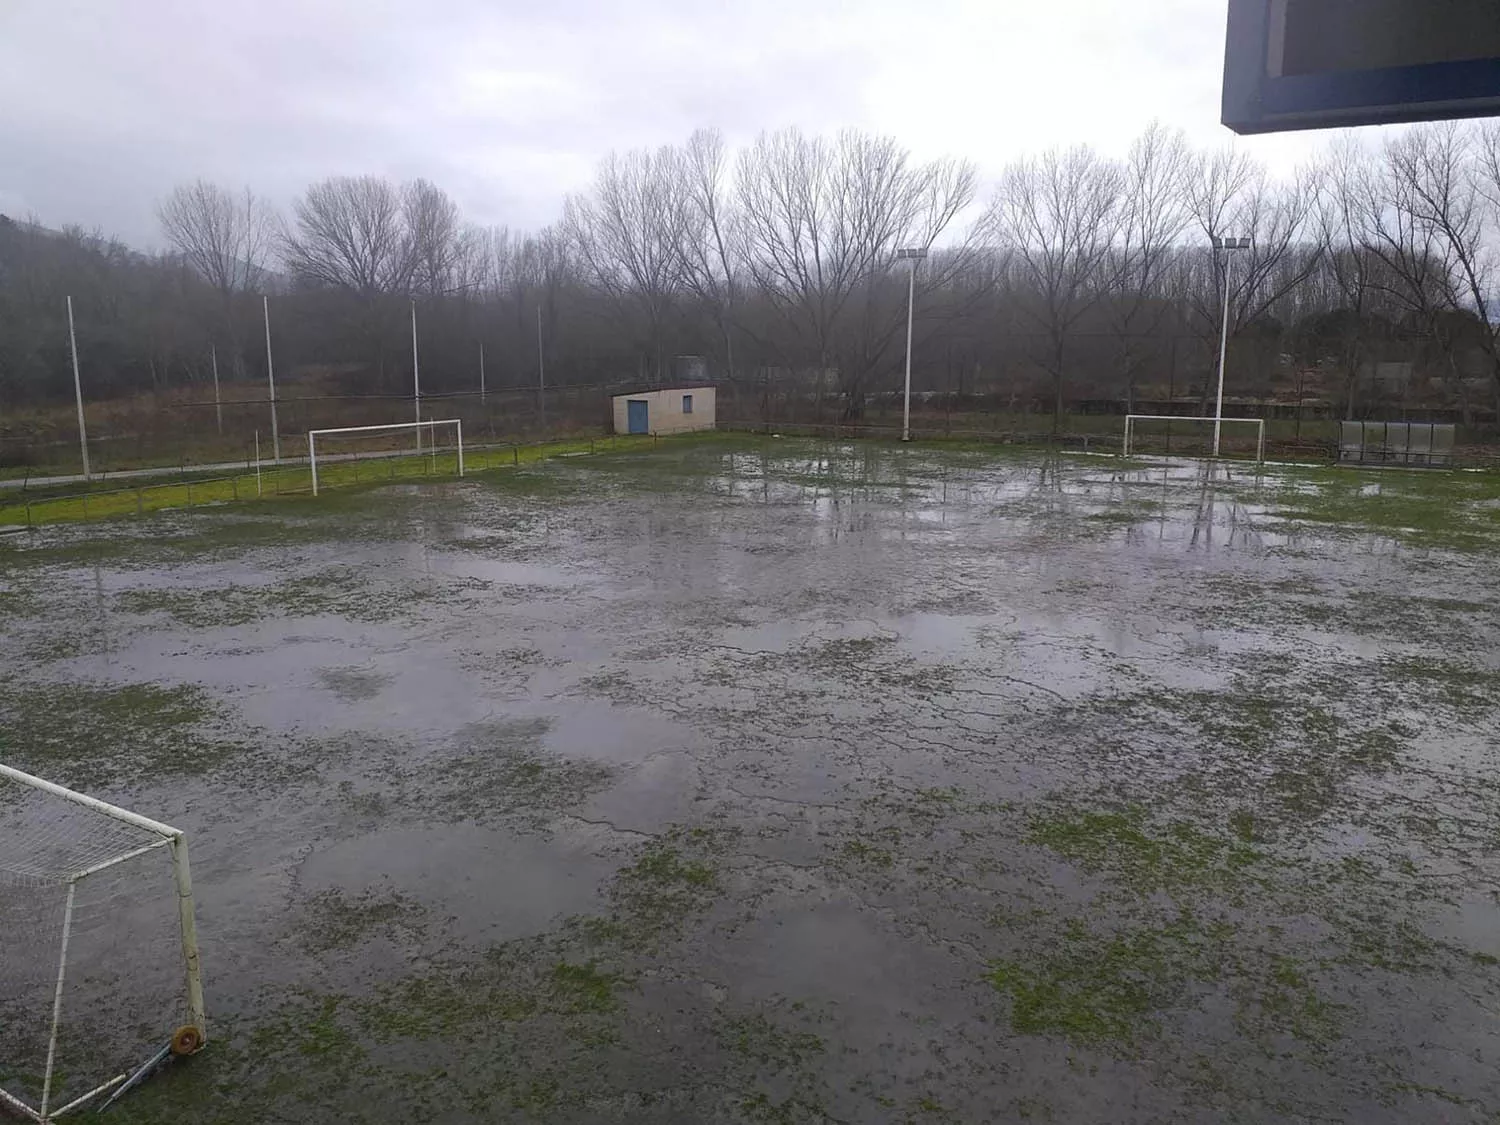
x=103, y=617
x=1203, y=521
x=1166, y=483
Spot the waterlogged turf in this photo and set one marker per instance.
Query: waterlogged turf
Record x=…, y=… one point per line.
x=759, y=780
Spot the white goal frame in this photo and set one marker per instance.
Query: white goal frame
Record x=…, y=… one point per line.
x=1260, y=423
x=159, y=836
x=457, y=423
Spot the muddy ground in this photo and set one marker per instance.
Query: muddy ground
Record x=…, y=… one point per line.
x=758, y=780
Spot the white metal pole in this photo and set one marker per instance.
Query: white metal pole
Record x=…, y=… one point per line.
x=416, y=376
x=257, y=462
x=312, y=457
x=265, y=308
x=481, y=371
x=911, y=297
x=83, y=436
x=57, y=999
x=460, y=447
x=1223, y=349
x=541, y=369
x=189, y=926
x=213, y=354
x=112, y=811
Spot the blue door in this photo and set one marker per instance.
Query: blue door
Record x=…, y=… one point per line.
x=640, y=415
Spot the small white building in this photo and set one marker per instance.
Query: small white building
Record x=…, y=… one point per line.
x=665, y=410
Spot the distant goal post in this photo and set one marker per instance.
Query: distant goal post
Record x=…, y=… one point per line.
x=345, y=432
x=1258, y=423
x=100, y=980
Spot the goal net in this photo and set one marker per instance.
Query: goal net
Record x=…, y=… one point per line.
x=1171, y=433
x=439, y=446
x=99, y=977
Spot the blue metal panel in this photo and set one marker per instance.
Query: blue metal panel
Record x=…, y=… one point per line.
x=1315, y=64
x=639, y=414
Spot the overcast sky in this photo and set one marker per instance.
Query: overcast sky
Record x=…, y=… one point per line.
x=106, y=104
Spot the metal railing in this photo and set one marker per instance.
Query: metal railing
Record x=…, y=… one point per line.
x=284, y=480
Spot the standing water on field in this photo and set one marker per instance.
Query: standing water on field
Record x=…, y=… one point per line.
x=757, y=780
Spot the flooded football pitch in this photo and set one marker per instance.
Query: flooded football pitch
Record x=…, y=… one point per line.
x=765, y=780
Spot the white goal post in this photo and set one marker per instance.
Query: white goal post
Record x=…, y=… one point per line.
x=345, y=431
x=100, y=981
x=1259, y=423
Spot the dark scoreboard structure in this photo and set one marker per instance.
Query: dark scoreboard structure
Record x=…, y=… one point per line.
x=1315, y=64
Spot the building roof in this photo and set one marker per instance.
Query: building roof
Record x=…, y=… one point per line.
x=654, y=388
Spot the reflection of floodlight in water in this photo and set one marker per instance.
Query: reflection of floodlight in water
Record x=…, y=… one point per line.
x=914, y=256
x=1225, y=244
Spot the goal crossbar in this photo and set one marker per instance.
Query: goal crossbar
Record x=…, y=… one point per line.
x=158, y=835
x=313, y=435
x=1259, y=423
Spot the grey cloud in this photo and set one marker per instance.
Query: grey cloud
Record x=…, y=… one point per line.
x=104, y=106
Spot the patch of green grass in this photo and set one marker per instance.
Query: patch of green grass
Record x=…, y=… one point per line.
x=583, y=988
x=340, y=922
x=99, y=735
x=510, y=984
x=1093, y=988
x=1128, y=845
x=337, y=591
x=312, y=1029
x=867, y=855
x=759, y=1039
x=1125, y=515
x=1465, y=688
x=352, y=685
x=1452, y=511
x=673, y=877
x=1299, y=739
x=1294, y=1007
x=489, y=771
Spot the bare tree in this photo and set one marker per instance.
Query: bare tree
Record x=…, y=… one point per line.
x=351, y=236
x=821, y=222
x=1152, y=216
x=1452, y=179
x=1231, y=196
x=434, y=238
x=707, y=250
x=224, y=237
x=1060, y=215
x=350, y=233
x=625, y=231
x=1372, y=256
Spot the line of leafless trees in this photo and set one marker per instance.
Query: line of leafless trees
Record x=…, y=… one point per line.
x=1076, y=276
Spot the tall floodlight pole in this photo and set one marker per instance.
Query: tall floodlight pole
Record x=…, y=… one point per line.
x=416, y=375
x=541, y=370
x=265, y=308
x=83, y=435
x=213, y=359
x=1227, y=245
x=913, y=256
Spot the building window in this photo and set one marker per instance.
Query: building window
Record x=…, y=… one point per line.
x=687, y=404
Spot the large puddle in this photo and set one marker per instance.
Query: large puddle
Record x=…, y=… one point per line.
x=770, y=780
